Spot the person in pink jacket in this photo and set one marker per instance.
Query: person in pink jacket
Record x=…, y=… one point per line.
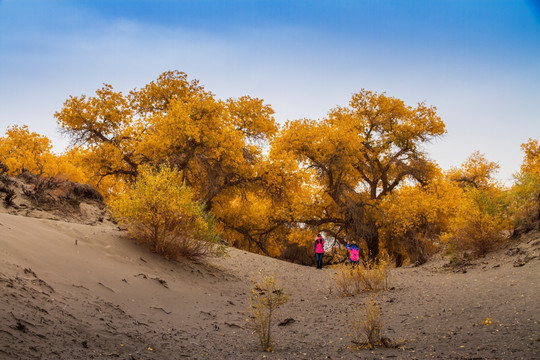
x=318, y=247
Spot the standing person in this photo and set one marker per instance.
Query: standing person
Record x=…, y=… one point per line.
x=318, y=247
x=354, y=252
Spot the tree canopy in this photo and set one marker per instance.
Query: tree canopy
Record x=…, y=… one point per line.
x=359, y=154
x=360, y=174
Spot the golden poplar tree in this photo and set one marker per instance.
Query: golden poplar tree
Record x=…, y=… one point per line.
x=359, y=154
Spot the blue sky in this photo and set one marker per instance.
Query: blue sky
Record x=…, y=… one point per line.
x=477, y=61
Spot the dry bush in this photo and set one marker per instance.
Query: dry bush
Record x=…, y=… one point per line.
x=40, y=187
x=367, y=326
x=84, y=191
x=10, y=195
x=266, y=297
x=6, y=187
x=353, y=279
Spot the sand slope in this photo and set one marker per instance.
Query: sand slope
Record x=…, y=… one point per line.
x=72, y=291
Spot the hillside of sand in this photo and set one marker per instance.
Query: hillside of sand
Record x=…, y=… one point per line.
x=83, y=291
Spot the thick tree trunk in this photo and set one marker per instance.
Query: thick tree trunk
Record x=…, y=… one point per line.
x=372, y=242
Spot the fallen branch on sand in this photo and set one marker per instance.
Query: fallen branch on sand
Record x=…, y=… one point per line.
x=80, y=286
x=233, y=325
x=106, y=287
x=162, y=309
x=161, y=281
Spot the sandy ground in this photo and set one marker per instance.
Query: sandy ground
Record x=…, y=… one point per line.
x=73, y=291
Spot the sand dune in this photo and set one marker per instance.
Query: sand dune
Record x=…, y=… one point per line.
x=73, y=291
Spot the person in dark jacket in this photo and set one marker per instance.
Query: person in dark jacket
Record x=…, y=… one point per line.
x=318, y=248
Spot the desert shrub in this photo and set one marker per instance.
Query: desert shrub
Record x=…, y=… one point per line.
x=353, y=279
x=524, y=201
x=478, y=226
x=10, y=195
x=40, y=187
x=367, y=326
x=6, y=186
x=266, y=297
x=161, y=212
x=475, y=237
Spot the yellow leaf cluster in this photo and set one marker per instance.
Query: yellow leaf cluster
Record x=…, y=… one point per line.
x=22, y=150
x=531, y=158
x=159, y=210
x=476, y=172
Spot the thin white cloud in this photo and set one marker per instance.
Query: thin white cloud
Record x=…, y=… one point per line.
x=487, y=103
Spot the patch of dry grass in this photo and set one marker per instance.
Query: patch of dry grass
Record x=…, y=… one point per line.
x=367, y=326
x=354, y=279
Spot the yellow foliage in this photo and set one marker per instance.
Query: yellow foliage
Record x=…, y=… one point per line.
x=251, y=116
x=355, y=173
x=475, y=172
x=266, y=297
x=524, y=197
x=160, y=211
x=216, y=146
x=360, y=173
x=358, y=155
x=531, y=158
x=475, y=229
x=255, y=217
x=22, y=150
x=416, y=215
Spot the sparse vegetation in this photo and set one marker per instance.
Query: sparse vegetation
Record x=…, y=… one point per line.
x=367, y=326
x=10, y=195
x=266, y=297
x=369, y=276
